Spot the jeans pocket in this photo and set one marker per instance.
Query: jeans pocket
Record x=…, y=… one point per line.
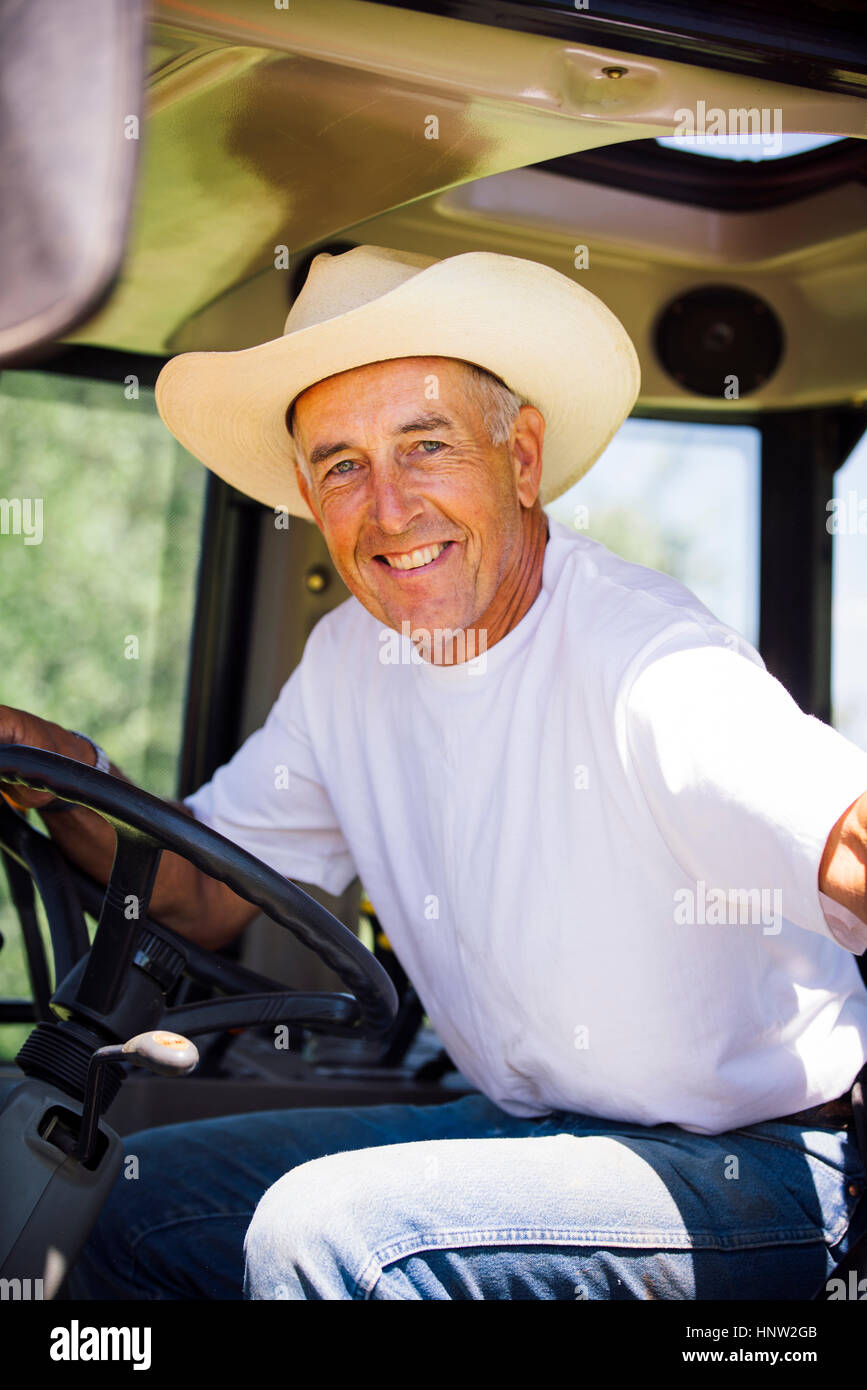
x=821, y=1168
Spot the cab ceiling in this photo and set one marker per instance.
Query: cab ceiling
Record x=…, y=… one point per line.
x=269, y=128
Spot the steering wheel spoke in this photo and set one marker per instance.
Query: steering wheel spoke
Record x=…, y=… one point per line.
x=126, y=901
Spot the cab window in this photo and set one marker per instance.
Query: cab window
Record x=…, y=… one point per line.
x=682, y=497
x=100, y=528
x=847, y=522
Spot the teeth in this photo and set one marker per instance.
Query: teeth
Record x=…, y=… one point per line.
x=416, y=558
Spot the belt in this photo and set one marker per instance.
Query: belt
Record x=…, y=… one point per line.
x=835, y=1113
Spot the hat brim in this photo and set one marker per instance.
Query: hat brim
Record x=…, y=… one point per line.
x=547, y=337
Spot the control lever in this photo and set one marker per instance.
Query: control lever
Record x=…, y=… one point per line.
x=168, y=1054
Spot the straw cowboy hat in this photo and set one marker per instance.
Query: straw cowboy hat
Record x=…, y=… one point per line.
x=545, y=336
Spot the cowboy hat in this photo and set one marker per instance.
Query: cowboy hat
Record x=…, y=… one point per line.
x=545, y=336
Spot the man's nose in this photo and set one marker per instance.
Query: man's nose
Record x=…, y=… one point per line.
x=394, y=502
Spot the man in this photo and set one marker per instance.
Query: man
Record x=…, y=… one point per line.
x=625, y=873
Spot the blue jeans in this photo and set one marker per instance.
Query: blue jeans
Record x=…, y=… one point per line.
x=462, y=1200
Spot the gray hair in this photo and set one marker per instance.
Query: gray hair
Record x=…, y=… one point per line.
x=497, y=403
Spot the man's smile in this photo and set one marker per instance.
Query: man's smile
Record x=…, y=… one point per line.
x=423, y=558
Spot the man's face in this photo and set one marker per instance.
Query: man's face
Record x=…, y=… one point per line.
x=423, y=516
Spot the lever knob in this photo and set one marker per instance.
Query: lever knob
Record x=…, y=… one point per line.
x=168, y=1054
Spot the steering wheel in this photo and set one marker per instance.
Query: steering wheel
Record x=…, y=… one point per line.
x=118, y=986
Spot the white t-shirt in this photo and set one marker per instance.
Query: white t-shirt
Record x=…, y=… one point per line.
x=594, y=848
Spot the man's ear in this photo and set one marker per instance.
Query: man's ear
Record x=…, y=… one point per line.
x=525, y=444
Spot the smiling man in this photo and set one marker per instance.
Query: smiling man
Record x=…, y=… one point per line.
x=662, y=1104
x=426, y=531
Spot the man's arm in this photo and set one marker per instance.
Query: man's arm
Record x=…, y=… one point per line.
x=748, y=790
x=198, y=907
x=843, y=870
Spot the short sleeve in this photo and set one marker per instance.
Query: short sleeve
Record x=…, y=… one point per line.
x=270, y=800
x=744, y=787
x=847, y=930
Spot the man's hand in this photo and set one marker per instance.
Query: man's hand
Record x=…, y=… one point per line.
x=843, y=870
x=17, y=726
x=191, y=903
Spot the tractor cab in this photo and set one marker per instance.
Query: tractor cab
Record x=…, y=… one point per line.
x=169, y=173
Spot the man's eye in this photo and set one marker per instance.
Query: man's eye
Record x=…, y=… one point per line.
x=342, y=467
x=430, y=446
